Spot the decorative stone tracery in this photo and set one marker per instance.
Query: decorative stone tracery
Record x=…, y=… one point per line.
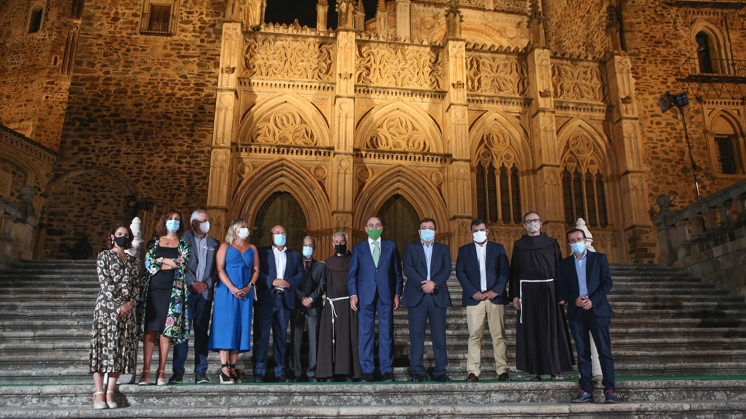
x=289, y=58
x=399, y=66
x=578, y=81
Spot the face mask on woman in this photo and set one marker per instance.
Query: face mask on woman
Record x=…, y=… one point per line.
x=172, y=225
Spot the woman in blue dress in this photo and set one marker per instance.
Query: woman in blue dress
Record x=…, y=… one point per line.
x=238, y=269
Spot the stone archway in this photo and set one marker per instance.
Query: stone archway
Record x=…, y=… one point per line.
x=400, y=221
x=280, y=208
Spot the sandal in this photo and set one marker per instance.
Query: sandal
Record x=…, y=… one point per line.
x=234, y=374
x=161, y=381
x=112, y=404
x=98, y=405
x=225, y=379
x=144, y=379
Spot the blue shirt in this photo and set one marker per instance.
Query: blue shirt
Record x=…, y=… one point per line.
x=580, y=269
x=428, y=255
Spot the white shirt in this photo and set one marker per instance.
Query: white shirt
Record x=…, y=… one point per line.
x=281, y=259
x=482, y=258
x=372, y=245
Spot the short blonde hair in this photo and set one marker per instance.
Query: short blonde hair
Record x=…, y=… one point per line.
x=231, y=234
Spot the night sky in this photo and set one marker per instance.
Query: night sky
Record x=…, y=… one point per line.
x=285, y=11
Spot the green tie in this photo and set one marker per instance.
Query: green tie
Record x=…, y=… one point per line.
x=376, y=252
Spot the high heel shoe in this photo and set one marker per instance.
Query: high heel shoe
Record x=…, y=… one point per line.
x=144, y=379
x=234, y=374
x=98, y=405
x=161, y=381
x=225, y=379
x=111, y=404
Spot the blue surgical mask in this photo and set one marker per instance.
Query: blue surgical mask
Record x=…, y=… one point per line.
x=279, y=239
x=578, y=247
x=172, y=225
x=307, y=251
x=427, y=235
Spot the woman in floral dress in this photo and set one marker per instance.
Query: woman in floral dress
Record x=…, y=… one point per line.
x=113, y=338
x=163, y=316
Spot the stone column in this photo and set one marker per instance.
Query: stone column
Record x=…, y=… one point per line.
x=218, y=194
x=322, y=9
x=639, y=237
x=458, y=180
x=403, y=19
x=381, y=19
x=341, y=179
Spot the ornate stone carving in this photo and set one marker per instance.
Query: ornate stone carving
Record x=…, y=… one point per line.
x=254, y=17
x=496, y=148
x=309, y=59
x=283, y=126
x=582, y=155
x=581, y=81
x=399, y=66
x=319, y=172
x=496, y=74
x=397, y=132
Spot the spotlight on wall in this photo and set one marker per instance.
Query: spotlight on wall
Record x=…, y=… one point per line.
x=668, y=101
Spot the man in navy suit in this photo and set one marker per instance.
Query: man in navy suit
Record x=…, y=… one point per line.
x=584, y=282
x=280, y=273
x=427, y=266
x=375, y=284
x=482, y=270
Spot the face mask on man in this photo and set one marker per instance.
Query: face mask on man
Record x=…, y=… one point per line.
x=533, y=227
x=479, y=236
x=578, y=247
x=374, y=233
x=427, y=235
x=279, y=239
x=340, y=248
x=172, y=225
x=204, y=227
x=243, y=233
x=120, y=241
x=307, y=251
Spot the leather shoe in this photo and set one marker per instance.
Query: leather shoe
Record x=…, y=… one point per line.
x=610, y=396
x=387, y=378
x=418, y=378
x=442, y=378
x=472, y=378
x=176, y=379
x=366, y=378
x=201, y=378
x=583, y=397
x=504, y=377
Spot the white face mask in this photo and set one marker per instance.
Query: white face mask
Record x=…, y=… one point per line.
x=533, y=227
x=243, y=233
x=204, y=227
x=479, y=236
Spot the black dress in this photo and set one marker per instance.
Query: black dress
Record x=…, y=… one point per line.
x=542, y=340
x=159, y=292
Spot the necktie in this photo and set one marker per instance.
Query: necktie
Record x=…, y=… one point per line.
x=306, y=266
x=376, y=252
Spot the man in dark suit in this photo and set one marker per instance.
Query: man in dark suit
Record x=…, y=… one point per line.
x=427, y=266
x=482, y=270
x=280, y=274
x=201, y=275
x=308, y=305
x=584, y=282
x=375, y=285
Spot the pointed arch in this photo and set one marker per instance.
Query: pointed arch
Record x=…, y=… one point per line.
x=286, y=119
x=725, y=135
x=398, y=126
x=572, y=136
x=727, y=117
x=716, y=43
x=105, y=171
x=282, y=176
x=417, y=189
x=498, y=123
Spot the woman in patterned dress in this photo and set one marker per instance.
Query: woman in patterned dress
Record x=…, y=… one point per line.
x=163, y=316
x=113, y=340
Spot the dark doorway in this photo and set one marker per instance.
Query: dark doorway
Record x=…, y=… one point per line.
x=280, y=208
x=400, y=221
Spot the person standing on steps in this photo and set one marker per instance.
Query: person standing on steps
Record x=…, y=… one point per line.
x=201, y=277
x=542, y=340
x=584, y=282
x=114, y=331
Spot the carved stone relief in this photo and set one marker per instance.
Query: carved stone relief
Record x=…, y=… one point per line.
x=399, y=66
x=289, y=59
x=581, y=81
x=496, y=148
x=283, y=126
x=582, y=155
x=496, y=74
x=398, y=133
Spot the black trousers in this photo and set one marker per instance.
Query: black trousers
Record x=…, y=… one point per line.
x=300, y=319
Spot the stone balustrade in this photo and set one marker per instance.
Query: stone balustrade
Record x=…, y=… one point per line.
x=17, y=228
x=708, y=237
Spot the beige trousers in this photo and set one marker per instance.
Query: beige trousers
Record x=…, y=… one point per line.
x=476, y=317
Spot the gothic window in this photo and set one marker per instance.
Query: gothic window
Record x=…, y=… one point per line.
x=704, y=53
x=583, y=187
x=498, y=190
x=35, y=19
x=728, y=153
x=77, y=9
x=158, y=17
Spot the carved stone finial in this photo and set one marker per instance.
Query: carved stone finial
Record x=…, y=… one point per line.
x=536, y=25
x=381, y=6
x=345, y=14
x=254, y=14
x=454, y=17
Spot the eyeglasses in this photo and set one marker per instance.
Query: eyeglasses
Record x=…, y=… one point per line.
x=533, y=220
x=576, y=240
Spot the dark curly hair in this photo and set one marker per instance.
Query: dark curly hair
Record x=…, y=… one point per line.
x=130, y=236
x=160, y=227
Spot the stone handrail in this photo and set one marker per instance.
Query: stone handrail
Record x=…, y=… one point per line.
x=708, y=237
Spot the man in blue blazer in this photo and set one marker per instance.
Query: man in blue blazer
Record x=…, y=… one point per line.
x=427, y=266
x=482, y=270
x=584, y=282
x=375, y=284
x=280, y=273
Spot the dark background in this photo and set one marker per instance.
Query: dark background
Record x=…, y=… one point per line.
x=286, y=11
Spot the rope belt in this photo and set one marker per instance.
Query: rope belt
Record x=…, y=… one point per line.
x=334, y=316
x=520, y=297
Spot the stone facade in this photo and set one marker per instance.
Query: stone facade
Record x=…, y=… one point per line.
x=482, y=108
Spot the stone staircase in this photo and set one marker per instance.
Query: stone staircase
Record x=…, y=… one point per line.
x=669, y=326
